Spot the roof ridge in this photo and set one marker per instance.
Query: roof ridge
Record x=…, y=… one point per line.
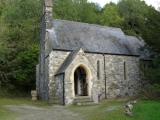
x=89, y=24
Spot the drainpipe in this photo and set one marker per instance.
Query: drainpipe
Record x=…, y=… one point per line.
x=105, y=75
x=63, y=89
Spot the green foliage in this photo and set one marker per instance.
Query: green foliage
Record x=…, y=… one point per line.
x=25, y=78
x=152, y=91
x=134, y=13
x=111, y=16
x=76, y=10
x=141, y=20
x=154, y=69
x=152, y=29
x=20, y=21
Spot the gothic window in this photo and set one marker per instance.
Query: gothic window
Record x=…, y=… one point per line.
x=125, y=76
x=98, y=69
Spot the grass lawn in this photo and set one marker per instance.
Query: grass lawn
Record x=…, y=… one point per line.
x=107, y=110
x=113, y=110
x=8, y=115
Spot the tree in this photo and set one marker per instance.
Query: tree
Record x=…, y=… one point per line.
x=65, y=9
x=152, y=29
x=134, y=13
x=111, y=16
x=76, y=10
x=20, y=26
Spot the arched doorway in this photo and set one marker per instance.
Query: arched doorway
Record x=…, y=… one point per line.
x=80, y=82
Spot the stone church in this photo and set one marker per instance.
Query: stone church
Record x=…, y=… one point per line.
x=82, y=62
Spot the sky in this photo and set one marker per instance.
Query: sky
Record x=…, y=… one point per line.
x=155, y=3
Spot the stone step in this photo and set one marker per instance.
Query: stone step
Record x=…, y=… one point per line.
x=83, y=100
x=85, y=103
x=82, y=97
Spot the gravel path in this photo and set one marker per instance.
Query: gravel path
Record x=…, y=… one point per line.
x=36, y=113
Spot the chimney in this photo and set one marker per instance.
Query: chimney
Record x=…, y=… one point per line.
x=48, y=4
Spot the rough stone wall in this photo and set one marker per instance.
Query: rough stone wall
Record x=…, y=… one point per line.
x=59, y=81
x=56, y=59
x=99, y=82
x=46, y=79
x=119, y=82
x=42, y=80
x=43, y=61
x=122, y=75
x=122, y=82
x=37, y=78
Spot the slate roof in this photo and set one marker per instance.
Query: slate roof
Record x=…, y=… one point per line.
x=134, y=45
x=69, y=35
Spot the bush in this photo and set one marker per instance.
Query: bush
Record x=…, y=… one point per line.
x=25, y=70
x=151, y=92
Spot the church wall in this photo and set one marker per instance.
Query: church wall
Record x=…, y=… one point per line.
x=122, y=76
x=99, y=79
x=59, y=81
x=37, y=79
x=42, y=80
x=46, y=79
x=56, y=59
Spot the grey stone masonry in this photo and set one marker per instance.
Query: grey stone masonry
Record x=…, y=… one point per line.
x=56, y=59
x=122, y=76
x=119, y=76
x=48, y=4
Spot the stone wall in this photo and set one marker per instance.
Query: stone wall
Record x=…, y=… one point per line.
x=122, y=75
x=37, y=78
x=56, y=59
x=42, y=80
x=59, y=81
x=46, y=79
x=99, y=83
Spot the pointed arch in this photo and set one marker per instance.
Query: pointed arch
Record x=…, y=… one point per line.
x=85, y=79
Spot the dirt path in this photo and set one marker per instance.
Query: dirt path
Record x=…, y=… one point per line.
x=36, y=113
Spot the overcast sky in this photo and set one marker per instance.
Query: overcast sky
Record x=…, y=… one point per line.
x=155, y=3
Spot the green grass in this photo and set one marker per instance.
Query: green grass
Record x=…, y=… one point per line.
x=143, y=110
x=147, y=110
x=8, y=115
x=107, y=110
